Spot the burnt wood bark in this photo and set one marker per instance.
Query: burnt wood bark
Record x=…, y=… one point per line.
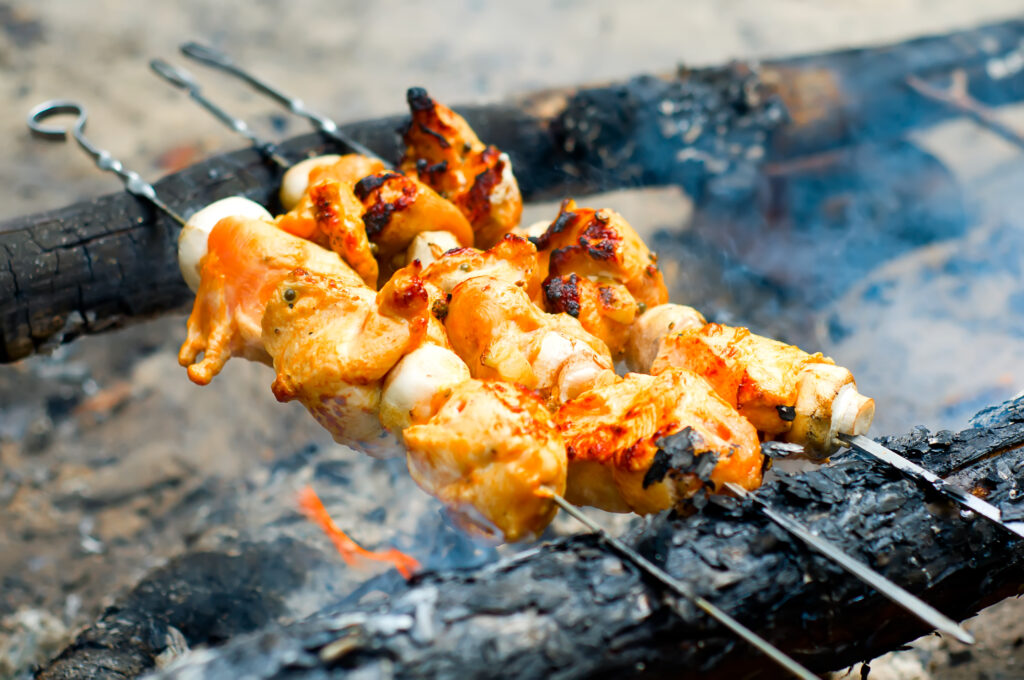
x=573, y=609
x=105, y=263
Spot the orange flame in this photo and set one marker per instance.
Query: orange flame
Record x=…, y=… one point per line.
x=350, y=551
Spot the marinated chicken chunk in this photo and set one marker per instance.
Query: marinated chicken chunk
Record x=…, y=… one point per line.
x=512, y=259
x=396, y=208
x=651, y=327
x=601, y=245
x=600, y=271
x=606, y=310
x=501, y=335
x=245, y=260
x=444, y=153
x=493, y=456
x=620, y=461
x=333, y=344
x=330, y=215
x=785, y=392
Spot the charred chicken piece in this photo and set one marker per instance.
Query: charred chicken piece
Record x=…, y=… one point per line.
x=347, y=169
x=243, y=263
x=493, y=456
x=593, y=259
x=333, y=344
x=330, y=215
x=622, y=456
x=605, y=309
x=396, y=208
x=444, y=153
x=512, y=259
x=785, y=392
x=501, y=335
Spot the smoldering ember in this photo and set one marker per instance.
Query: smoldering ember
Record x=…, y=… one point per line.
x=817, y=217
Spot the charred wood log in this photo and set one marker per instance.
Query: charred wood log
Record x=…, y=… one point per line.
x=572, y=609
x=105, y=263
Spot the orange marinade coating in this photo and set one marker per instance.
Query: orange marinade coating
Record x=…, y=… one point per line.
x=601, y=244
x=493, y=456
x=611, y=432
x=512, y=259
x=757, y=375
x=333, y=344
x=245, y=261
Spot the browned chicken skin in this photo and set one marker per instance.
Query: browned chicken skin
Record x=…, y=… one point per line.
x=493, y=456
x=396, y=208
x=512, y=259
x=599, y=270
x=612, y=433
x=444, y=152
x=330, y=215
x=502, y=335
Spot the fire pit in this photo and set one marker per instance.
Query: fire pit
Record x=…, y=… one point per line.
x=252, y=561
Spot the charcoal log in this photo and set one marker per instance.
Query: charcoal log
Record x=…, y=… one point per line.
x=571, y=608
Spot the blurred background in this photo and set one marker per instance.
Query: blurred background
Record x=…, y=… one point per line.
x=110, y=460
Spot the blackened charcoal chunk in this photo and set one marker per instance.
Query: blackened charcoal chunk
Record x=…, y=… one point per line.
x=1012, y=511
x=676, y=453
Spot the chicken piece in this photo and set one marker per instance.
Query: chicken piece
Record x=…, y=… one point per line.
x=245, y=261
x=493, y=456
x=333, y=344
x=397, y=208
x=500, y=334
x=600, y=271
x=647, y=332
x=330, y=215
x=347, y=169
x=602, y=246
x=649, y=443
x=785, y=392
x=512, y=259
x=605, y=309
x=444, y=153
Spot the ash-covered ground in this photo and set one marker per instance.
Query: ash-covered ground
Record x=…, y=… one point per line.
x=111, y=461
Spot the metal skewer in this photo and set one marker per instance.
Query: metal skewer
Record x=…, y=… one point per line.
x=133, y=183
x=183, y=79
x=217, y=59
x=681, y=588
x=908, y=601
x=914, y=471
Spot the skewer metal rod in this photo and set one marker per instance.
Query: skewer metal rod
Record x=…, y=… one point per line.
x=932, y=480
x=219, y=60
x=133, y=182
x=905, y=599
x=684, y=590
x=184, y=80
